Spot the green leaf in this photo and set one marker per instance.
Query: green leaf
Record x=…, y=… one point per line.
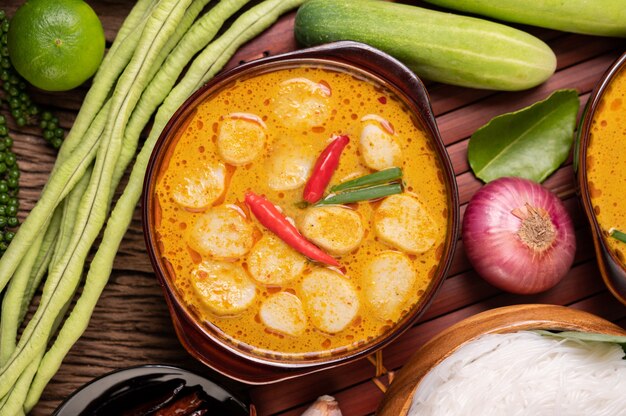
x=587, y=336
x=530, y=143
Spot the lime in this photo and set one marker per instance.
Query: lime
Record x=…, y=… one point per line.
x=56, y=45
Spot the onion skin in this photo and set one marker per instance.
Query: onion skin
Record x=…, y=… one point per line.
x=496, y=250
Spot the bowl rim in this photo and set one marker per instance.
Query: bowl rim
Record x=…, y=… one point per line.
x=611, y=269
x=403, y=83
x=503, y=319
x=104, y=384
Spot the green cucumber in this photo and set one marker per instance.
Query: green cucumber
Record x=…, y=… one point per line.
x=597, y=17
x=439, y=46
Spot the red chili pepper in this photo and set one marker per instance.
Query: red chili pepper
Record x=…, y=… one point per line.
x=323, y=170
x=271, y=218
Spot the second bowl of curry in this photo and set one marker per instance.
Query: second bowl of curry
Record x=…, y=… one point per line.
x=252, y=267
x=601, y=172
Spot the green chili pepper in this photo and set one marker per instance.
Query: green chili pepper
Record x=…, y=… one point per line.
x=618, y=235
x=375, y=178
x=362, y=194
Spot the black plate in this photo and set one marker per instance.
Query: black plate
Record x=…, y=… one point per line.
x=116, y=392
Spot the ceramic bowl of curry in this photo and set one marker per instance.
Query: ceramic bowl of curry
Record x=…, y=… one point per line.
x=601, y=174
x=300, y=211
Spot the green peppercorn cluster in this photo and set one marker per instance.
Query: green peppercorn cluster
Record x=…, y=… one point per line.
x=23, y=110
x=9, y=186
x=15, y=99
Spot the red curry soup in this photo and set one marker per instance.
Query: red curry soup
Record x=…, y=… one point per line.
x=264, y=134
x=606, y=170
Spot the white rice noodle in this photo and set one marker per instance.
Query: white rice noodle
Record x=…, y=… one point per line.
x=525, y=373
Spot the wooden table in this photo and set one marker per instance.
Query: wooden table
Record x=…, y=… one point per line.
x=131, y=325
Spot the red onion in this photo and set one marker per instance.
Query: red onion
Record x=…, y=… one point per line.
x=518, y=236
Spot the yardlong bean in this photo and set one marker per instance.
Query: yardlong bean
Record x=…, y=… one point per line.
x=214, y=57
x=86, y=122
x=69, y=211
x=58, y=186
x=21, y=288
x=17, y=298
x=92, y=210
x=93, y=126
x=41, y=264
x=12, y=301
x=128, y=151
x=244, y=28
x=13, y=402
x=110, y=69
x=140, y=115
x=198, y=36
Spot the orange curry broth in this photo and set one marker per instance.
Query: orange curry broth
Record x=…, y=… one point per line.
x=352, y=97
x=606, y=169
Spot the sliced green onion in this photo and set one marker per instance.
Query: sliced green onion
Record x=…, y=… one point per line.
x=362, y=194
x=618, y=235
x=375, y=178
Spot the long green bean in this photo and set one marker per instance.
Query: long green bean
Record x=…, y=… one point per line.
x=13, y=402
x=41, y=264
x=68, y=170
x=72, y=200
x=84, y=157
x=244, y=28
x=17, y=299
x=20, y=290
x=157, y=88
x=69, y=210
x=11, y=303
x=93, y=206
x=108, y=72
x=137, y=15
x=110, y=68
x=56, y=189
x=58, y=270
x=197, y=37
x=191, y=13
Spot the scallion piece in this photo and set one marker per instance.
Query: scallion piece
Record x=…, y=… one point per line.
x=362, y=194
x=375, y=178
x=618, y=235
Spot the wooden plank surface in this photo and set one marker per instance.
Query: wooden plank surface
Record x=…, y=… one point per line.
x=131, y=325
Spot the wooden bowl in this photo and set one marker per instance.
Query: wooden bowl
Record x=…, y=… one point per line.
x=205, y=342
x=613, y=270
x=397, y=400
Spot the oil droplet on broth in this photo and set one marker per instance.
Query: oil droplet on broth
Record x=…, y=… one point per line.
x=616, y=104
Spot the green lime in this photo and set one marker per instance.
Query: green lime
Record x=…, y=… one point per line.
x=56, y=45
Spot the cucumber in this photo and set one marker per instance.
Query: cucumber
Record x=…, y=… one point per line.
x=597, y=17
x=439, y=46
